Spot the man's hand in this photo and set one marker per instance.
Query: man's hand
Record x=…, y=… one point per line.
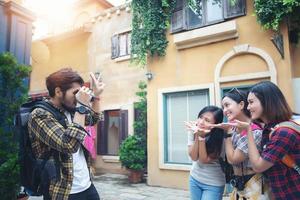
x=97, y=85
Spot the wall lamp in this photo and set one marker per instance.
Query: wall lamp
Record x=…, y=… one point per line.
x=149, y=75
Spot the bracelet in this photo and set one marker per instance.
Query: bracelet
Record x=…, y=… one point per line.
x=94, y=98
x=227, y=135
x=201, y=138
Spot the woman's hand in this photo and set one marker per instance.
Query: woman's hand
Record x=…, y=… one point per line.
x=97, y=85
x=242, y=125
x=234, y=124
x=226, y=126
x=192, y=126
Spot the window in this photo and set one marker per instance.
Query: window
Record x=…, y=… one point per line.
x=112, y=131
x=199, y=13
x=177, y=108
x=120, y=45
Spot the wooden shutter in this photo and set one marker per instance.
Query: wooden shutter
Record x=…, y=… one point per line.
x=102, y=135
x=129, y=43
x=114, y=46
x=123, y=125
x=234, y=9
x=178, y=19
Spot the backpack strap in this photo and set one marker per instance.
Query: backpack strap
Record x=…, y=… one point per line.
x=61, y=119
x=54, y=111
x=287, y=159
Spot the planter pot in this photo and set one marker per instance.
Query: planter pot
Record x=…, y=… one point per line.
x=23, y=197
x=135, y=176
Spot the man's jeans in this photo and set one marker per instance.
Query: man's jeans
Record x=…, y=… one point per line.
x=200, y=191
x=89, y=194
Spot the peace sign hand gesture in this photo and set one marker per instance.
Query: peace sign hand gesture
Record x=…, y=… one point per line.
x=97, y=85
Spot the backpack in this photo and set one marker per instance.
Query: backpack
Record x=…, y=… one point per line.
x=287, y=159
x=226, y=168
x=36, y=174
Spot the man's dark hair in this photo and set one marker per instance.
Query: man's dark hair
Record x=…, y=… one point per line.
x=63, y=79
x=275, y=106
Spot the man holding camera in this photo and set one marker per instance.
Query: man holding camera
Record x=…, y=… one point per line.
x=79, y=106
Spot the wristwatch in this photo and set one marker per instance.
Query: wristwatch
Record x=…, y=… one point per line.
x=83, y=110
x=227, y=135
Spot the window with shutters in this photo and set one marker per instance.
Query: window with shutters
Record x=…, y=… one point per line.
x=112, y=131
x=199, y=13
x=120, y=45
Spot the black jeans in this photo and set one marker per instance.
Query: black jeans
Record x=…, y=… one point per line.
x=89, y=194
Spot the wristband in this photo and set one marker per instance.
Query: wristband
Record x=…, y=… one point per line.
x=201, y=138
x=94, y=98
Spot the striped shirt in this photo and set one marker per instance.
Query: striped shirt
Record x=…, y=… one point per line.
x=240, y=141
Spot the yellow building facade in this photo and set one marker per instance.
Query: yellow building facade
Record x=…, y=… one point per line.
x=200, y=65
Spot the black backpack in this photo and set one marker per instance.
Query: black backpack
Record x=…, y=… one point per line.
x=227, y=169
x=35, y=174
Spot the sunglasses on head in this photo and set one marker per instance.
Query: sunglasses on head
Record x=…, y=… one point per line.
x=235, y=90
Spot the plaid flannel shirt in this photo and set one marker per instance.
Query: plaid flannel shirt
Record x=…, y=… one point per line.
x=46, y=132
x=284, y=181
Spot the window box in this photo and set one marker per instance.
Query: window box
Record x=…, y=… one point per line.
x=206, y=35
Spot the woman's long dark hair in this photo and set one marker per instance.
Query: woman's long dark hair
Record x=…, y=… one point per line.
x=215, y=140
x=275, y=106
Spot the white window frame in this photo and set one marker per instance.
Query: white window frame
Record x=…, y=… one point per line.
x=161, y=134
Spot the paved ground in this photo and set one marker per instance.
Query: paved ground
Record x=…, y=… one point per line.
x=116, y=187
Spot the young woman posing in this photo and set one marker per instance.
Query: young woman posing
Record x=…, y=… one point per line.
x=267, y=103
x=245, y=179
x=205, y=146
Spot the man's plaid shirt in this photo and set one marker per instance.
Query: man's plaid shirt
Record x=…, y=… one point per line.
x=46, y=132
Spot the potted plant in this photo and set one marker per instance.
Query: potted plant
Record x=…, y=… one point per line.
x=13, y=93
x=133, y=150
x=133, y=157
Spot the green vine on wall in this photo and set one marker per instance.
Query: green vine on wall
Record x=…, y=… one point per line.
x=151, y=19
x=270, y=13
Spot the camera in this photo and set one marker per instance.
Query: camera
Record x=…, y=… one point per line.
x=238, y=182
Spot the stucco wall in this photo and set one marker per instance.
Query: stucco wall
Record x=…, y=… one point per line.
x=91, y=51
x=48, y=57
x=69, y=48
x=194, y=66
x=295, y=55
